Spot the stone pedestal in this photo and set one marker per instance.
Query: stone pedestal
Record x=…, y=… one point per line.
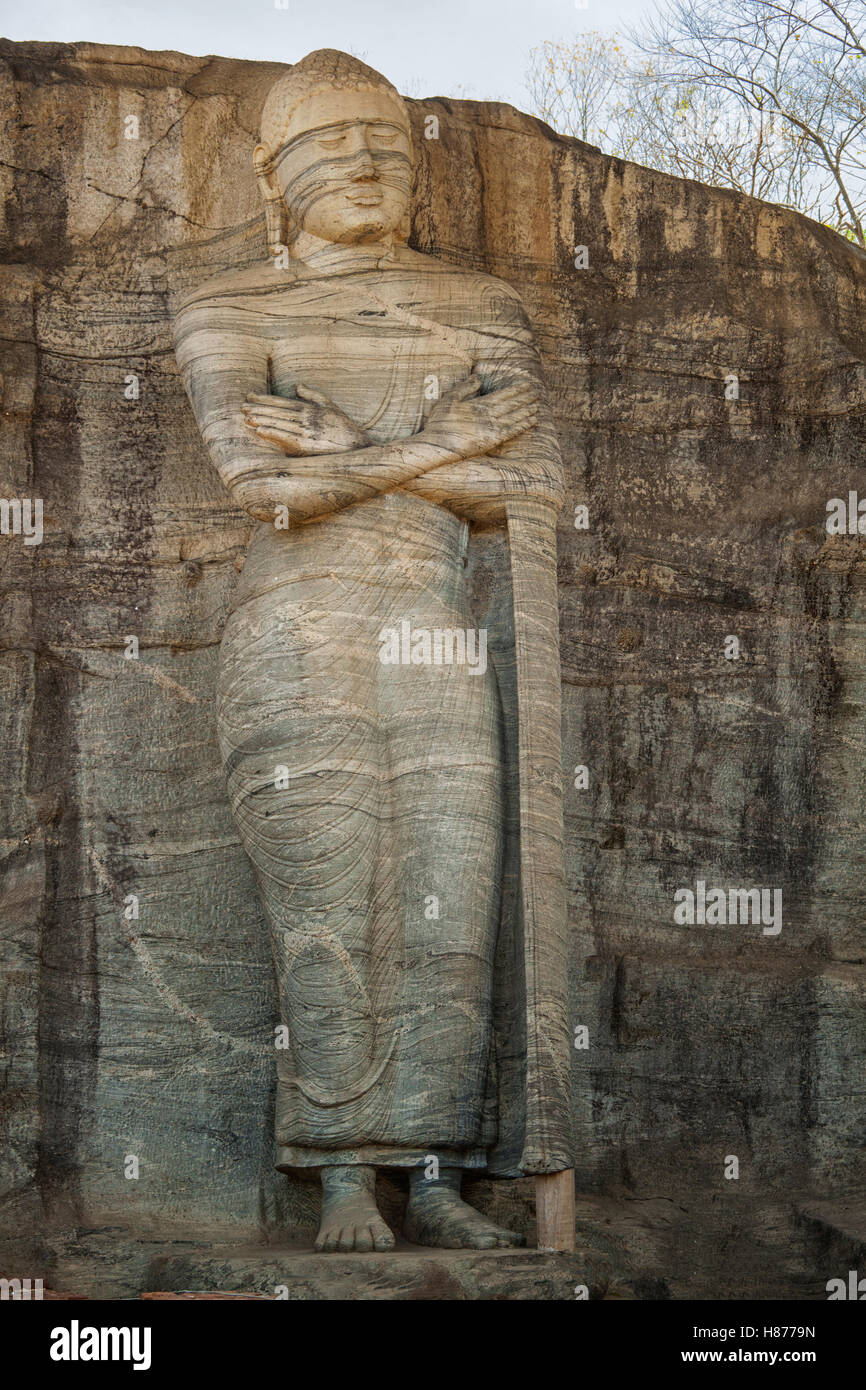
x=407, y=1273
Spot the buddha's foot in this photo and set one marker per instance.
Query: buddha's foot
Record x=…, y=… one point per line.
x=350, y=1217
x=437, y=1215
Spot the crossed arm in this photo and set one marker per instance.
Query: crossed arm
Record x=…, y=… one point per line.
x=476, y=448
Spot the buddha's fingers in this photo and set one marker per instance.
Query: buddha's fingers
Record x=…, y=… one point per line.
x=463, y=390
x=519, y=420
x=299, y=410
x=277, y=422
x=270, y=400
x=515, y=430
x=506, y=411
x=307, y=393
x=515, y=412
x=287, y=441
x=512, y=417
x=522, y=390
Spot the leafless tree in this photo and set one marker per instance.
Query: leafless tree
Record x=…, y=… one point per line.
x=769, y=98
x=800, y=63
x=581, y=88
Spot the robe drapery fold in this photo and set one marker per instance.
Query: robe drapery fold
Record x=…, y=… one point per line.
x=532, y=548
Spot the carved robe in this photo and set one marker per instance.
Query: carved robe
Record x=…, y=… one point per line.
x=382, y=806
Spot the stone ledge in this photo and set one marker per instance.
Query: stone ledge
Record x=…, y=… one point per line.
x=838, y=1228
x=409, y=1273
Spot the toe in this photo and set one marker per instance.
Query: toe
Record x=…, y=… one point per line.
x=482, y=1242
x=346, y=1240
x=364, y=1238
x=511, y=1238
x=383, y=1238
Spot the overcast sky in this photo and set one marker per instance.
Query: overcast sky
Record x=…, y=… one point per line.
x=467, y=48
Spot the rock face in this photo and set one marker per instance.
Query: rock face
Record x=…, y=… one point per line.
x=705, y=358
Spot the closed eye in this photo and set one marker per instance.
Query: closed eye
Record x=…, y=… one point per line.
x=331, y=144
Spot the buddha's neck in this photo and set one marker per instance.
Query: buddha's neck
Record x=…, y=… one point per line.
x=334, y=257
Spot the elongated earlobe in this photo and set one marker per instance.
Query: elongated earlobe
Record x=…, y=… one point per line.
x=277, y=224
x=276, y=217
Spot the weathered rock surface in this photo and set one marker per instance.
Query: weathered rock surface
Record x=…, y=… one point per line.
x=151, y=1036
x=404, y=1274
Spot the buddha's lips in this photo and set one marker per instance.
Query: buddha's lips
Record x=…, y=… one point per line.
x=365, y=200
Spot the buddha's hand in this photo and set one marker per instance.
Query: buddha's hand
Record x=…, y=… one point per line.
x=471, y=424
x=308, y=425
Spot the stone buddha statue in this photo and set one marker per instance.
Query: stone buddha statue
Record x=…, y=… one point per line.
x=376, y=410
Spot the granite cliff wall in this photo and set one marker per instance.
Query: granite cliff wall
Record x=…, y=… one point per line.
x=143, y=1035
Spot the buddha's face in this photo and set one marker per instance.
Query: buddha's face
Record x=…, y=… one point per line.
x=345, y=171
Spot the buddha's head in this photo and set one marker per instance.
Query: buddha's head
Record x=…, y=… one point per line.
x=335, y=154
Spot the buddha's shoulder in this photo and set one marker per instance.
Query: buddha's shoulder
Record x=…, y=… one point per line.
x=238, y=290
x=461, y=280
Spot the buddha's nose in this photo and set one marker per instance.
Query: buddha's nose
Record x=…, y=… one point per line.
x=363, y=164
